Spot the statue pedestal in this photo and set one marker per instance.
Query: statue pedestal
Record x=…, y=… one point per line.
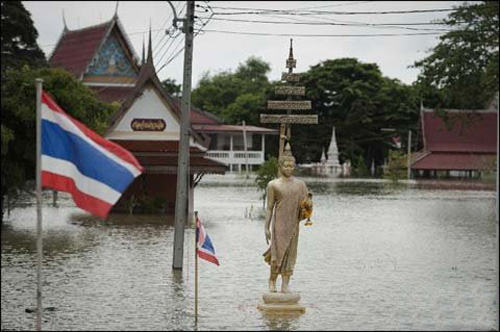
x=281, y=303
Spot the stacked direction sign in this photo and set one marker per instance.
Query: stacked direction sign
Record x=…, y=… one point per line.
x=286, y=120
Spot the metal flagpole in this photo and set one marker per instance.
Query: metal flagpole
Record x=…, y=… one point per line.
x=39, y=309
x=196, y=271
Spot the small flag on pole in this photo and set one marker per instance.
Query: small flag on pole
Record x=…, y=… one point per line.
x=205, y=247
x=76, y=160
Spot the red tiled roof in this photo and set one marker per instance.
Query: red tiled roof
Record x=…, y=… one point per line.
x=471, y=132
x=455, y=161
x=110, y=94
x=173, y=160
x=198, y=117
x=168, y=160
x=153, y=146
x=76, y=48
x=233, y=128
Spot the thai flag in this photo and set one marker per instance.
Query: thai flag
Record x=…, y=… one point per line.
x=92, y=169
x=205, y=249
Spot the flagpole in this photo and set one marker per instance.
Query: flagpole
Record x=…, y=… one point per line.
x=39, y=309
x=196, y=270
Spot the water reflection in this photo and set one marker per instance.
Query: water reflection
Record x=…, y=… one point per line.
x=281, y=322
x=378, y=256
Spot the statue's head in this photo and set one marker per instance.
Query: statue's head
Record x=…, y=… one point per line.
x=287, y=162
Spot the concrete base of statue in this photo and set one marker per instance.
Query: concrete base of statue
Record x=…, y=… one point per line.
x=281, y=303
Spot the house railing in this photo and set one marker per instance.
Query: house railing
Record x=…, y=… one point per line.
x=237, y=157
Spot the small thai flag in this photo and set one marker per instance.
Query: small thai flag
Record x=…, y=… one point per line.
x=76, y=160
x=205, y=249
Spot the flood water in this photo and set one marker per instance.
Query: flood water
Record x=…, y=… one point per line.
x=378, y=257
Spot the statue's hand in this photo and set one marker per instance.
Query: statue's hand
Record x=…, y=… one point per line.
x=268, y=236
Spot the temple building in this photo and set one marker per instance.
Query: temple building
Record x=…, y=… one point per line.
x=465, y=145
x=147, y=122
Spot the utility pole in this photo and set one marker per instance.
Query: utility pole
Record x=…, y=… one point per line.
x=181, y=202
x=498, y=212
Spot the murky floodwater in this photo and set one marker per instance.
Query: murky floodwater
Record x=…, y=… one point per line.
x=379, y=257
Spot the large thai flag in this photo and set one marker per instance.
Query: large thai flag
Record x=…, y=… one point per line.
x=92, y=169
x=205, y=249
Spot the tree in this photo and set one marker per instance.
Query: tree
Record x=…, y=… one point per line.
x=267, y=171
x=171, y=87
x=19, y=46
x=235, y=96
x=19, y=118
x=356, y=99
x=462, y=70
x=397, y=166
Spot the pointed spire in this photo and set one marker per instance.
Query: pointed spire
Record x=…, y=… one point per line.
x=150, y=46
x=64, y=21
x=291, y=62
x=143, y=60
x=116, y=9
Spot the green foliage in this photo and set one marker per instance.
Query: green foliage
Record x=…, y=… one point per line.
x=396, y=166
x=238, y=110
x=19, y=117
x=359, y=168
x=19, y=46
x=356, y=99
x=235, y=97
x=267, y=172
x=462, y=70
x=171, y=87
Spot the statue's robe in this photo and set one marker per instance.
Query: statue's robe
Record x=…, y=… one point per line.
x=284, y=195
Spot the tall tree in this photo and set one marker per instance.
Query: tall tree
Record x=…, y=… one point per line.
x=171, y=87
x=235, y=96
x=462, y=70
x=19, y=46
x=356, y=99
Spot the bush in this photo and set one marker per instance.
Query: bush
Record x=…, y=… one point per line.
x=267, y=172
x=397, y=166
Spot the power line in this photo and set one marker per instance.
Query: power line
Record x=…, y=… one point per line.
x=258, y=11
x=311, y=23
x=154, y=51
x=171, y=36
x=336, y=5
x=197, y=33
x=325, y=35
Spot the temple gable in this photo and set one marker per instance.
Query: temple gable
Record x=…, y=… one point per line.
x=111, y=60
x=149, y=117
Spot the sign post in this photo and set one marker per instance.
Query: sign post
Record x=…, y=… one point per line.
x=286, y=120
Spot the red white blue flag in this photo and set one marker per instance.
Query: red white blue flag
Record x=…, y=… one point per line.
x=205, y=249
x=76, y=160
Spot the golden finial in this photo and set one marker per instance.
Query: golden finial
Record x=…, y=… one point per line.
x=287, y=154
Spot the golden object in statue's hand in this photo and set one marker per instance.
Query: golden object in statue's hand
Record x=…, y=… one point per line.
x=307, y=209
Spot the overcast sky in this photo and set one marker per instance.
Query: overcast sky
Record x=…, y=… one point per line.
x=217, y=51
